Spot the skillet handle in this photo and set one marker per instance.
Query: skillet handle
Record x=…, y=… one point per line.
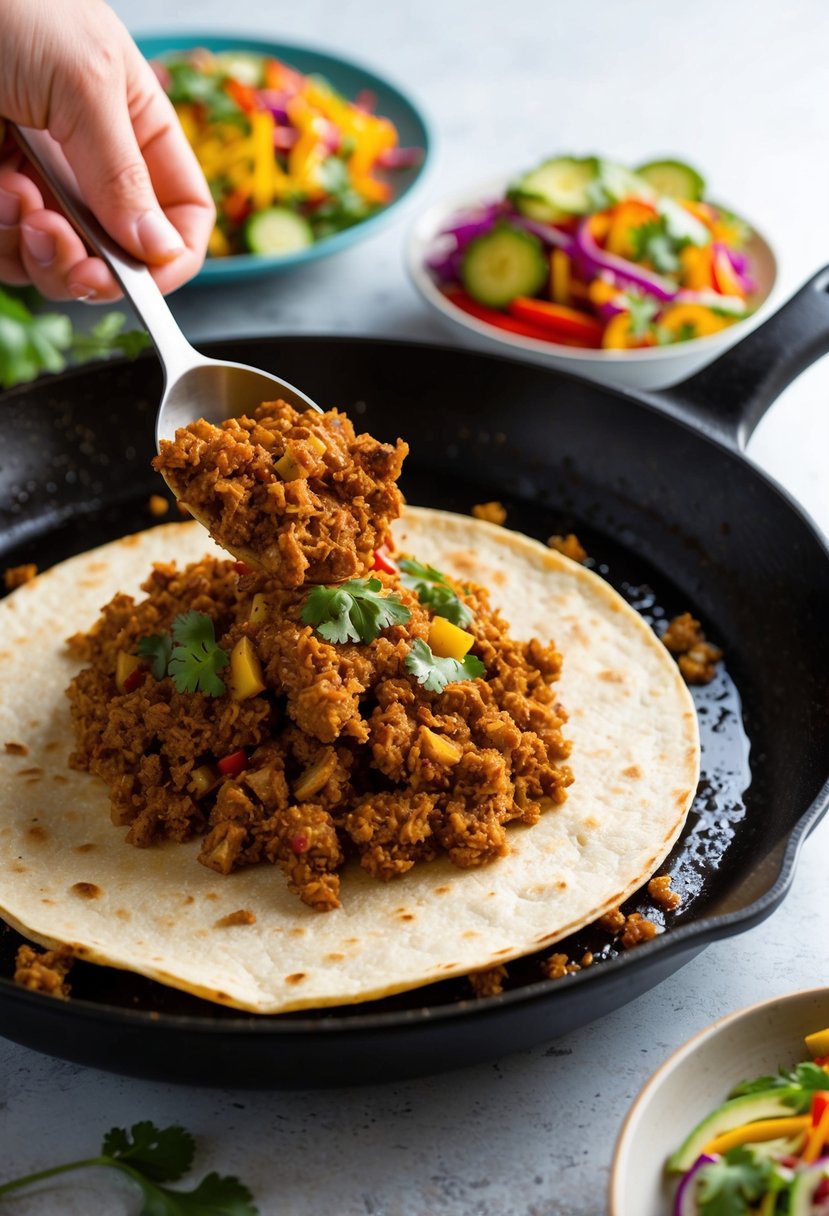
x=731, y=395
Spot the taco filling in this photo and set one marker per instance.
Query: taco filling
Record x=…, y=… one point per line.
x=299, y=494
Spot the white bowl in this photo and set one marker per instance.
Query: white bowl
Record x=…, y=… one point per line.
x=753, y=1042
x=648, y=368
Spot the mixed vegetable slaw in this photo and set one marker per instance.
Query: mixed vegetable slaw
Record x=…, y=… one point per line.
x=584, y=252
x=765, y=1151
x=289, y=160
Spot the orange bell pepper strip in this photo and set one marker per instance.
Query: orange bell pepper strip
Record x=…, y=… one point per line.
x=627, y=217
x=819, y=1132
x=601, y=292
x=243, y=94
x=618, y=334
x=560, y=267
x=559, y=322
x=725, y=276
x=701, y=319
x=599, y=225
x=696, y=267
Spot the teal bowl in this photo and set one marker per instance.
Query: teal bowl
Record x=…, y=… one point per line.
x=347, y=77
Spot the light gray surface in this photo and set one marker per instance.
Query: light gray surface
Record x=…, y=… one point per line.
x=740, y=88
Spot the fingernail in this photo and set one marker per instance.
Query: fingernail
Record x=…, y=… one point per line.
x=79, y=291
x=158, y=237
x=40, y=245
x=9, y=209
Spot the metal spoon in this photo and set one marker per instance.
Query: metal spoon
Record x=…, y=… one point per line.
x=194, y=386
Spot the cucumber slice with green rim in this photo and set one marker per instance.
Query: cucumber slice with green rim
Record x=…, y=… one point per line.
x=556, y=189
x=673, y=178
x=502, y=264
x=803, y=1188
x=277, y=231
x=768, y=1104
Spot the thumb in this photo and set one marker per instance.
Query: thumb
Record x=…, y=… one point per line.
x=115, y=181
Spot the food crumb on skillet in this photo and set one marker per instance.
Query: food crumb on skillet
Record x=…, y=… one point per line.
x=44, y=970
x=659, y=889
x=697, y=658
x=628, y=930
x=11, y=748
x=557, y=965
x=157, y=505
x=489, y=982
x=490, y=512
x=16, y=576
x=299, y=494
x=569, y=545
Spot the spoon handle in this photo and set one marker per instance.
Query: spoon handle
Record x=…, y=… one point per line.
x=138, y=284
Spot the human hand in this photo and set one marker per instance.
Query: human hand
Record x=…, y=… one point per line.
x=70, y=67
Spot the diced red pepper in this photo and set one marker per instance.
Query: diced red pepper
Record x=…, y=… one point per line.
x=382, y=561
x=299, y=844
x=241, y=567
x=234, y=764
x=558, y=321
x=134, y=679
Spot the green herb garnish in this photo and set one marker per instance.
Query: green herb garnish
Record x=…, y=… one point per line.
x=434, y=591
x=34, y=342
x=353, y=611
x=652, y=242
x=192, y=657
x=806, y=1077
x=151, y=1156
x=731, y=1186
x=434, y=673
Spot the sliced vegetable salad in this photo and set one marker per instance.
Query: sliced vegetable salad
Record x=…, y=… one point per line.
x=587, y=253
x=288, y=159
x=764, y=1152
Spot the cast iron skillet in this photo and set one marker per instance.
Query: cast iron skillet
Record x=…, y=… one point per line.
x=658, y=490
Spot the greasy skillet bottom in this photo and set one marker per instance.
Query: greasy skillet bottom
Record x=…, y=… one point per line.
x=711, y=849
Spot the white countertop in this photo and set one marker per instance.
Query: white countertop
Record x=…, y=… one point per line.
x=740, y=89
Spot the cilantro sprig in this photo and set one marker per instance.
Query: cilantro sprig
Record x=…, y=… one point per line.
x=434, y=672
x=353, y=611
x=151, y=1156
x=434, y=591
x=731, y=1185
x=806, y=1078
x=192, y=657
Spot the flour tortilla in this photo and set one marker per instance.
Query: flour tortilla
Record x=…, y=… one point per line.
x=68, y=877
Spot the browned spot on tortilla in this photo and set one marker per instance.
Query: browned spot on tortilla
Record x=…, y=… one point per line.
x=297, y=931
x=60, y=779
x=37, y=833
x=446, y=966
x=442, y=890
x=15, y=749
x=86, y=890
x=471, y=933
x=52, y=745
x=211, y=895
x=296, y=978
x=405, y=916
x=188, y=899
x=491, y=894
x=462, y=559
x=633, y=771
x=350, y=941
x=5, y=654
x=578, y=712
x=123, y=913
x=129, y=542
x=202, y=933
x=335, y=957
x=17, y=867
x=81, y=951
x=612, y=677
x=682, y=797
x=691, y=755
x=590, y=822
x=498, y=578
x=34, y=780
x=223, y=997
x=30, y=772
x=84, y=848
x=50, y=903
x=93, y=567
x=561, y=885
x=90, y=583
x=498, y=953
x=242, y=916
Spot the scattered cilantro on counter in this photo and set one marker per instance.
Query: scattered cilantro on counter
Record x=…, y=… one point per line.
x=434, y=591
x=151, y=1156
x=354, y=611
x=434, y=673
x=32, y=342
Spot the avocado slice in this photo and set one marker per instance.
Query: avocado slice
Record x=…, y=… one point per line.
x=768, y=1104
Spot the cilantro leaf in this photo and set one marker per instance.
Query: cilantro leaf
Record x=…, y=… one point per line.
x=107, y=337
x=434, y=673
x=158, y=647
x=642, y=311
x=434, y=590
x=196, y=658
x=806, y=1076
x=353, y=611
x=161, y=1155
x=730, y=1185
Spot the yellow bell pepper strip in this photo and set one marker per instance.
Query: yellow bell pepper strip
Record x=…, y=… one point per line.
x=627, y=217
x=754, y=1133
x=818, y=1043
x=560, y=276
x=262, y=187
x=601, y=292
x=557, y=320
x=696, y=316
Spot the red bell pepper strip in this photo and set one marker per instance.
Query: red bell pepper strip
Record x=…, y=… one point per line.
x=234, y=764
x=491, y=316
x=820, y=1100
x=559, y=322
x=382, y=561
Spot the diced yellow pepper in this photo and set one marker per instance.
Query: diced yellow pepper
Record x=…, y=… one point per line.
x=753, y=1133
x=245, y=671
x=259, y=610
x=125, y=665
x=448, y=640
x=287, y=468
x=202, y=780
x=818, y=1042
x=438, y=747
x=317, y=444
x=316, y=775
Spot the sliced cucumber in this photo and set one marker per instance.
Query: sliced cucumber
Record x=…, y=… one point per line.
x=768, y=1104
x=277, y=231
x=556, y=189
x=502, y=264
x=803, y=1188
x=673, y=178
x=244, y=66
x=615, y=183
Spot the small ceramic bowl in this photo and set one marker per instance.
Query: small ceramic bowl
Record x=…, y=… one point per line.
x=753, y=1042
x=648, y=368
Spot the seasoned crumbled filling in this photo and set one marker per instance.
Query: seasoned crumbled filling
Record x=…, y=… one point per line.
x=298, y=493
x=660, y=891
x=339, y=750
x=489, y=982
x=16, y=576
x=696, y=657
x=637, y=929
x=44, y=971
x=569, y=545
x=491, y=512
